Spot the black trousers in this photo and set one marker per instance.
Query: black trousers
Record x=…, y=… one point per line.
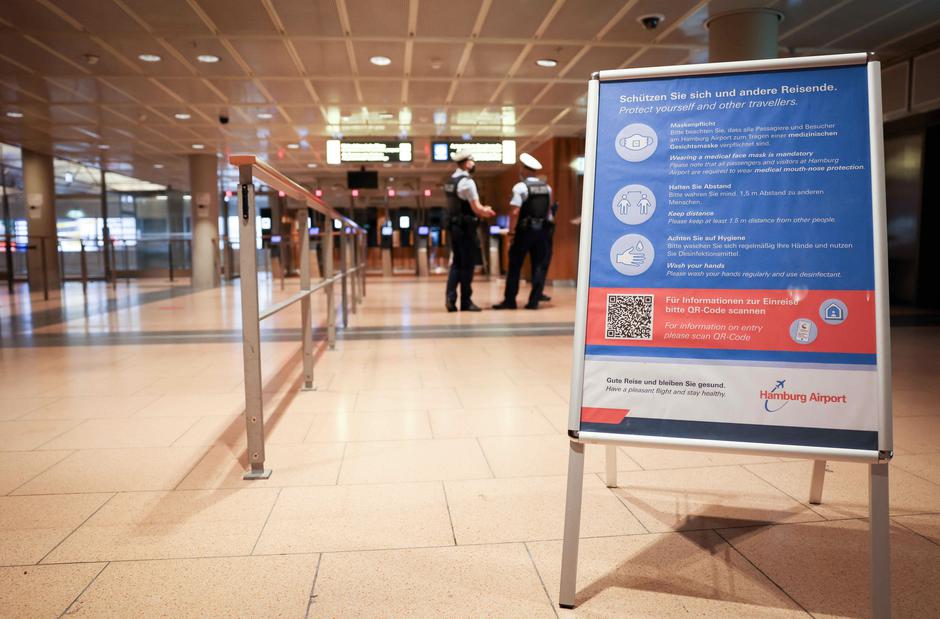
x=532, y=243
x=550, y=242
x=465, y=245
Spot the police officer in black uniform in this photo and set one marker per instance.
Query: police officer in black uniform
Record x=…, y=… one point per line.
x=464, y=212
x=531, y=209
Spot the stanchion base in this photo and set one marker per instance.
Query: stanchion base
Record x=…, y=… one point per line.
x=266, y=473
x=568, y=606
x=310, y=388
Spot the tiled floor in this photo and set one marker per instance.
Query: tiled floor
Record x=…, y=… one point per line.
x=424, y=477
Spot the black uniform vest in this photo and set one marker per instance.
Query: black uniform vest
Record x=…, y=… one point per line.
x=456, y=206
x=538, y=202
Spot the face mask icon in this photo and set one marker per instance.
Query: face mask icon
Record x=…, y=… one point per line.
x=636, y=142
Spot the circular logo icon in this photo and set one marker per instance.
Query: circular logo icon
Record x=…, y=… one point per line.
x=632, y=254
x=803, y=331
x=833, y=312
x=634, y=204
x=636, y=142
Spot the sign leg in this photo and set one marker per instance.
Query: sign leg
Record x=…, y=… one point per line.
x=569, y=552
x=879, y=528
x=610, y=460
x=816, y=486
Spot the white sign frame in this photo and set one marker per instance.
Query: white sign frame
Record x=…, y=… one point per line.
x=877, y=460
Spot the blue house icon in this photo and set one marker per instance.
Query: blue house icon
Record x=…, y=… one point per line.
x=834, y=312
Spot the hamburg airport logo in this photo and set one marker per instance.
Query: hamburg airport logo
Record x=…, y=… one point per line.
x=778, y=397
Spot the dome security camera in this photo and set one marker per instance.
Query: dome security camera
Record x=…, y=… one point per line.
x=652, y=21
x=223, y=118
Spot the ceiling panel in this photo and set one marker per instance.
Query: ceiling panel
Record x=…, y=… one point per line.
x=308, y=17
x=565, y=94
x=288, y=91
x=30, y=15
x=436, y=59
x=378, y=17
x=597, y=59
x=75, y=47
x=629, y=29
x=562, y=53
x=238, y=16
x=132, y=47
x=99, y=17
x=441, y=18
x=426, y=92
x=487, y=60
x=239, y=91
x=884, y=30
x=12, y=87
x=518, y=19
x=394, y=51
x=384, y=93
x=323, y=57
x=173, y=17
x=473, y=93
x=191, y=90
x=336, y=91
x=266, y=56
x=22, y=51
x=541, y=115
x=72, y=89
x=191, y=47
x=520, y=93
x=576, y=21
x=662, y=56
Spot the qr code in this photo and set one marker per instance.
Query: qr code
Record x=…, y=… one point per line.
x=629, y=317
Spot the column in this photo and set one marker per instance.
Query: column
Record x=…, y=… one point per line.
x=39, y=186
x=745, y=34
x=204, y=191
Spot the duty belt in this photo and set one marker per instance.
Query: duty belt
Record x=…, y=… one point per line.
x=464, y=220
x=535, y=223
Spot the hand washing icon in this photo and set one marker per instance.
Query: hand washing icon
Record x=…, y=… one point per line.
x=632, y=254
x=636, y=142
x=633, y=257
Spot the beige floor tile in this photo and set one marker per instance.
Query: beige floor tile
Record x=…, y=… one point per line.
x=824, y=566
x=461, y=581
x=402, y=461
x=663, y=575
x=914, y=402
x=530, y=395
x=18, y=467
x=391, y=426
x=363, y=517
x=214, y=430
x=322, y=401
x=122, y=433
x=533, y=508
x=686, y=499
x=459, y=423
x=43, y=590
x=199, y=588
x=175, y=405
x=165, y=525
x=529, y=456
x=927, y=525
x=27, y=434
x=289, y=428
x=91, y=407
x=31, y=526
x=922, y=465
x=845, y=491
x=917, y=435
x=16, y=408
x=655, y=459
x=291, y=465
x=380, y=400
x=116, y=470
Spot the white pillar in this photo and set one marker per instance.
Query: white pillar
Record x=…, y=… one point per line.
x=204, y=192
x=744, y=34
x=39, y=186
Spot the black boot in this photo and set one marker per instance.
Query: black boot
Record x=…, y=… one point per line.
x=505, y=305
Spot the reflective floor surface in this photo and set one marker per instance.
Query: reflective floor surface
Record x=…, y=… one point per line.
x=424, y=477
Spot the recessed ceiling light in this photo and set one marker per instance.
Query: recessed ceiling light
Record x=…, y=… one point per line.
x=380, y=61
x=313, y=165
x=158, y=166
x=386, y=116
x=15, y=114
x=181, y=116
x=103, y=147
x=265, y=115
x=208, y=58
x=548, y=63
x=150, y=57
x=293, y=146
x=199, y=146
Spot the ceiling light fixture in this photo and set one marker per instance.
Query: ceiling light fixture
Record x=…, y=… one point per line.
x=103, y=147
x=208, y=58
x=293, y=146
x=380, y=61
x=548, y=63
x=265, y=115
x=313, y=165
x=15, y=114
x=181, y=116
x=158, y=166
x=199, y=146
x=386, y=115
x=150, y=57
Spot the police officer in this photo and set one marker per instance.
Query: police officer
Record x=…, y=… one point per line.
x=531, y=208
x=464, y=212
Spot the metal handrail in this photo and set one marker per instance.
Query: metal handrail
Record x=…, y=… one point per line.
x=352, y=270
